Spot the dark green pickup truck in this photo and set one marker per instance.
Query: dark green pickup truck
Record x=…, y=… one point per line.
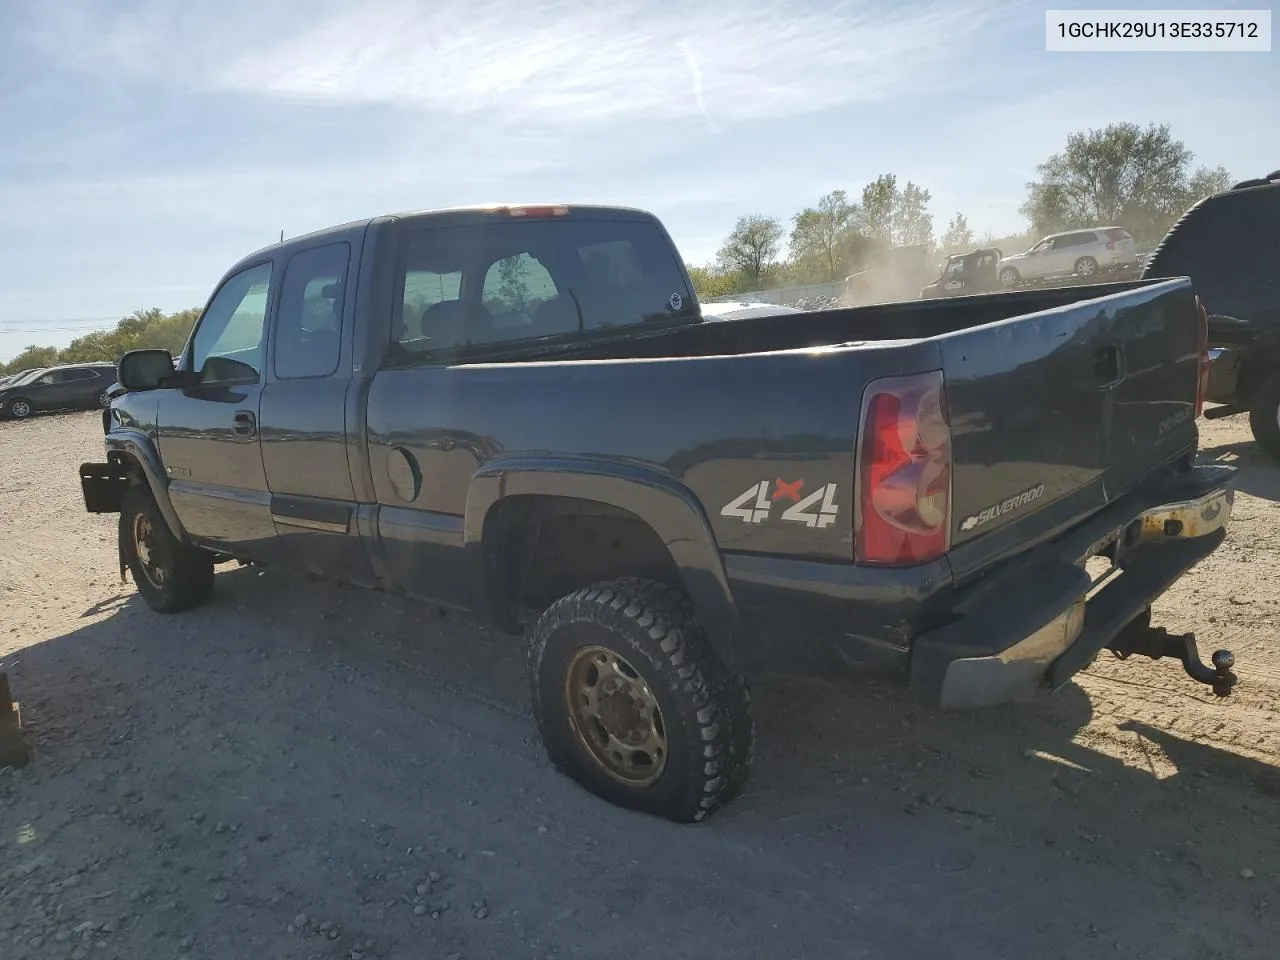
x=521, y=411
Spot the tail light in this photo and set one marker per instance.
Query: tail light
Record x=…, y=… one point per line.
x=1202, y=364
x=904, y=472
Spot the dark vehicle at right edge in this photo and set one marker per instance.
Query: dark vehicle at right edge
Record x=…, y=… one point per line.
x=1229, y=245
x=669, y=507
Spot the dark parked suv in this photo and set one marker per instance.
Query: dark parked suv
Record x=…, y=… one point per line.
x=80, y=386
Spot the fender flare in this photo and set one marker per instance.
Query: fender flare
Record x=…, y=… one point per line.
x=658, y=499
x=136, y=449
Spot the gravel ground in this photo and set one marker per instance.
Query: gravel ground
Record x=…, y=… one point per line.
x=301, y=770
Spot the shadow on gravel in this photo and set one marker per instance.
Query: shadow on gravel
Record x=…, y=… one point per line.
x=299, y=747
x=1259, y=475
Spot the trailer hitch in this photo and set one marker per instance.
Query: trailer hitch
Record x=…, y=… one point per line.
x=1156, y=642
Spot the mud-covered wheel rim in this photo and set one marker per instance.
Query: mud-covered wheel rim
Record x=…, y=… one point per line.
x=144, y=547
x=20, y=409
x=615, y=716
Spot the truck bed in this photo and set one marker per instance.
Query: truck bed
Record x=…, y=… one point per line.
x=908, y=320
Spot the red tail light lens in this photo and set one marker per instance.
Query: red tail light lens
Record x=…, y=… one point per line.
x=1202, y=367
x=904, y=472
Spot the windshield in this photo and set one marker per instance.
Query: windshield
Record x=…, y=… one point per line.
x=24, y=378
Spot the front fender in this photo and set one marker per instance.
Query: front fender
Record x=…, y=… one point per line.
x=137, y=450
x=657, y=498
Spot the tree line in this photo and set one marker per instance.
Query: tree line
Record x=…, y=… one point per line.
x=1124, y=175
x=141, y=330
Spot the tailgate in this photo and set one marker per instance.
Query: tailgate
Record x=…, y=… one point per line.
x=1055, y=414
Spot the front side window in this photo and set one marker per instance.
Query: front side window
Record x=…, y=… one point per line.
x=229, y=340
x=522, y=280
x=309, y=320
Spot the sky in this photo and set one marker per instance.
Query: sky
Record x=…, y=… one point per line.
x=145, y=145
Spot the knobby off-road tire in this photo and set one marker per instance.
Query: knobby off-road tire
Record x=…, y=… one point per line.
x=644, y=634
x=1264, y=416
x=171, y=576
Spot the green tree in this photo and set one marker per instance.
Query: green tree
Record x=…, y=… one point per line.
x=513, y=289
x=710, y=282
x=31, y=358
x=823, y=236
x=879, y=200
x=912, y=222
x=1135, y=177
x=752, y=247
x=958, y=237
x=1205, y=182
x=142, y=329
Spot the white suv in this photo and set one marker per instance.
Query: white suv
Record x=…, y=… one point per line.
x=1079, y=252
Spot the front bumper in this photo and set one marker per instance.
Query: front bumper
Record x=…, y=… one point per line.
x=1038, y=620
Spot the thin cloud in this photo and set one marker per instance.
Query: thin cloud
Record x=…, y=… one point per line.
x=547, y=63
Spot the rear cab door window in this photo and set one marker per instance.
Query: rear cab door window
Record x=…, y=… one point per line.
x=505, y=281
x=308, y=339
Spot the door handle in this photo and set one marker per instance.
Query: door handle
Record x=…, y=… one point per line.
x=245, y=424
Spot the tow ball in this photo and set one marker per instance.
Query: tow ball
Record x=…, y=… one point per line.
x=1156, y=642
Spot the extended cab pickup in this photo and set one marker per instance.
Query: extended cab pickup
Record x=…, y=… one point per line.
x=520, y=411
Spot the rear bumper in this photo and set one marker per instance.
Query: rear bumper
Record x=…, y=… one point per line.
x=1037, y=621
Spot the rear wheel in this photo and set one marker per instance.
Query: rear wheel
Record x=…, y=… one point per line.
x=1264, y=416
x=171, y=576
x=1086, y=267
x=20, y=408
x=633, y=704
x=1009, y=277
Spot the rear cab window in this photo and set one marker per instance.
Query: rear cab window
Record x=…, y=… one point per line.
x=506, y=281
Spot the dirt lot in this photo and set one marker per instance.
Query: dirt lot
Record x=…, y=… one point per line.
x=302, y=770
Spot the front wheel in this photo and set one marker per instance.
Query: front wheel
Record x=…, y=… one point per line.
x=633, y=704
x=171, y=576
x=1264, y=416
x=104, y=399
x=20, y=408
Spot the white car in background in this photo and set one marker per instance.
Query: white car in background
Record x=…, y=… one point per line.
x=1081, y=253
x=742, y=309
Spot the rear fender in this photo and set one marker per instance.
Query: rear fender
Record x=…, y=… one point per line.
x=655, y=497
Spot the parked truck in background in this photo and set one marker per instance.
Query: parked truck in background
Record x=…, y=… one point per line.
x=520, y=411
x=1229, y=245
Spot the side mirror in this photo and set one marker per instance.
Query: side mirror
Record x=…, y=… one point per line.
x=144, y=369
